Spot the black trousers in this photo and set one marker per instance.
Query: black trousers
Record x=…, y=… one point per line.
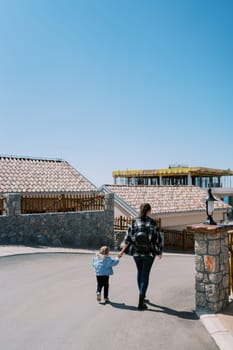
x=103, y=282
x=144, y=264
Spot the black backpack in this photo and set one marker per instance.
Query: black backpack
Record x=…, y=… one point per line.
x=142, y=238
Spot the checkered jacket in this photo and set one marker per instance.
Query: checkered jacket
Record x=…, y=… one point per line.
x=146, y=225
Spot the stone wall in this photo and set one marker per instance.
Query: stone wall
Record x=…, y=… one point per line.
x=86, y=229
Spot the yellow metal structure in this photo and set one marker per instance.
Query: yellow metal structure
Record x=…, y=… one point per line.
x=173, y=171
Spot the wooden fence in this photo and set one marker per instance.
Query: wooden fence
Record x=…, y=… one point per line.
x=61, y=203
x=173, y=240
x=178, y=240
x=230, y=263
x=122, y=223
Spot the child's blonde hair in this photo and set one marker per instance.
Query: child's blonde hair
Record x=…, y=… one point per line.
x=103, y=250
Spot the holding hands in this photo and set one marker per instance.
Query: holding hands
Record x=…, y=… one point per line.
x=120, y=255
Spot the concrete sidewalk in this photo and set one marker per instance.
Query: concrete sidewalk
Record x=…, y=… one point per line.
x=6, y=250
x=219, y=326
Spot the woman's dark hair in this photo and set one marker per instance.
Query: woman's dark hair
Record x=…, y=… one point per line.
x=144, y=208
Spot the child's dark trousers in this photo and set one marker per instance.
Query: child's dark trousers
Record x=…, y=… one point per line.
x=103, y=281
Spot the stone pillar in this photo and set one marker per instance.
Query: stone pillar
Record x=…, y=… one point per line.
x=12, y=204
x=109, y=203
x=212, y=266
x=109, y=218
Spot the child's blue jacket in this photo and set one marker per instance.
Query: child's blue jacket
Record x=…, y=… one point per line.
x=103, y=265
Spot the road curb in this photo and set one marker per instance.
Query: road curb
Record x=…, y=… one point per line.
x=218, y=332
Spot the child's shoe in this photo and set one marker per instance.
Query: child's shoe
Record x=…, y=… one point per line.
x=98, y=297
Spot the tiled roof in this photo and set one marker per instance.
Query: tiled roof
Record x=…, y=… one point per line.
x=40, y=175
x=165, y=199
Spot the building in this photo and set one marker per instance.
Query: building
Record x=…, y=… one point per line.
x=48, y=202
x=175, y=206
x=177, y=175
x=25, y=175
x=220, y=181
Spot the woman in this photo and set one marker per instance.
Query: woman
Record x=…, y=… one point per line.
x=143, y=257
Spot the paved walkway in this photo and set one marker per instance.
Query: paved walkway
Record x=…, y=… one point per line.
x=220, y=326
x=6, y=250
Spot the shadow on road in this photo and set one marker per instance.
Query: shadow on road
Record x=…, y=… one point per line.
x=123, y=306
x=188, y=315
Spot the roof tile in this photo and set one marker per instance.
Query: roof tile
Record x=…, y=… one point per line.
x=165, y=199
x=40, y=175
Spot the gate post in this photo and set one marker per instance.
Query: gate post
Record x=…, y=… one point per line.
x=212, y=266
x=12, y=204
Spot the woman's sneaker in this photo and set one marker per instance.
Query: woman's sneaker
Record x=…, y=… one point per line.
x=142, y=307
x=98, y=297
x=106, y=300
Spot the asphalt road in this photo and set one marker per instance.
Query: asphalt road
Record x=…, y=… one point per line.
x=48, y=302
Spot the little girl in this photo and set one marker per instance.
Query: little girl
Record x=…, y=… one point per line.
x=103, y=264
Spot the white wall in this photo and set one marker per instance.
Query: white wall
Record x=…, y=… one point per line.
x=177, y=221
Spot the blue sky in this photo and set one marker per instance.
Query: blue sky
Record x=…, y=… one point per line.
x=117, y=84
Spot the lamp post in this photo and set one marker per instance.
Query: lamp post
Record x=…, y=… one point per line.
x=210, y=208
